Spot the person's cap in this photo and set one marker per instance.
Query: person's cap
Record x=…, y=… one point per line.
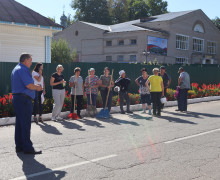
x=91, y=69
x=180, y=69
x=121, y=72
x=162, y=67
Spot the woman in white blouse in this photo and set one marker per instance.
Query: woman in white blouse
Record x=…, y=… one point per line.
x=38, y=78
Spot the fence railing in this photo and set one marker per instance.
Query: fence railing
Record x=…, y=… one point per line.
x=199, y=73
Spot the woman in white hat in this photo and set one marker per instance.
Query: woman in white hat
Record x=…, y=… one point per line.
x=92, y=84
x=123, y=84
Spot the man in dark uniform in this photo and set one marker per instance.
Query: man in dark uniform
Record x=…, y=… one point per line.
x=123, y=83
x=23, y=90
x=166, y=80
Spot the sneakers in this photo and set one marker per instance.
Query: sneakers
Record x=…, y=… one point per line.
x=149, y=112
x=144, y=111
x=122, y=112
x=59, y=118
x=129, y=112
x=53, y=119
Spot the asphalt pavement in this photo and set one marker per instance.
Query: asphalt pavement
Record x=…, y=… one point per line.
x=176, y=146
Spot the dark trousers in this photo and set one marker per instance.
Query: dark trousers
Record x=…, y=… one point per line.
x=23, y=108
x=182, y=99
x=93, y=97
x=124, y=96
x=155, y=99
x=37, y=103
x=104, y=94
x=79, y=100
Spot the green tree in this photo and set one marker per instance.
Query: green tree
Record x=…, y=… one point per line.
x=216, y=21
x=52, y=19
x=61, y=52
x=138, y=9
x=157, y=7
x=94, y=11
x=69, y=20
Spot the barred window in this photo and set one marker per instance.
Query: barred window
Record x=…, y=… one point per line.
x=120, y=58
x=182, y=42
x=133, y=58
x=211, y=47
x=133, y=41
x=198, y=45
x=181, y=60
x=108, y=43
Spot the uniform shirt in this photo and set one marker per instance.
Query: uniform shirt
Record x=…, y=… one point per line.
x=79, y=88
x=165, y=78
x=185, y=83
x=34, y=73
x=58, y=78
x=143, y=89
x=20, y=78
x=105, y=81
x=123, y=83
x=155, y=83
x=93, y=82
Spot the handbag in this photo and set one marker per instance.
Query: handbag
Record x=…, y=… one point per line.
x=163, y=100
x=177, y=92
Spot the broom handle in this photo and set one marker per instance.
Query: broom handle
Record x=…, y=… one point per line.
x=74, y=97
x=106, y=102
x=90, y=90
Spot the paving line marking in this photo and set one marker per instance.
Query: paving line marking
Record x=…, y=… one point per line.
x=189, y=137
x=64, y=167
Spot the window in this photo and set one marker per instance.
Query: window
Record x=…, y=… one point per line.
x=120, y=58
x=108, y=58
x=181, y=60
x=76, y=33
x=121, y=42
x=108, y=43
x=182, y=42
x=199, y=28
x=198, y=45
x=133, y=41
x=211, y=48
x=133, y=58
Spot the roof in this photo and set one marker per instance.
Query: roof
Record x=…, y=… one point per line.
x=12, y=11
x=135, y=24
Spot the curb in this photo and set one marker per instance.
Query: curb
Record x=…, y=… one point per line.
x=137, y=107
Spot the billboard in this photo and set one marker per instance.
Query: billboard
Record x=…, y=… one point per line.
x=157, y=45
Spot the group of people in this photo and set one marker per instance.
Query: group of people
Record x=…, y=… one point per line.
x=27, y=87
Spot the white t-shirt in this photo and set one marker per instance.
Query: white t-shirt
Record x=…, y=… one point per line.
x=34, y=73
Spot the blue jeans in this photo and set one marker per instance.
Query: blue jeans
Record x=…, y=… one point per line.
x=23, y=111
x=104, y=96
x=182, y=99
x=37, y=103
x=94, y=96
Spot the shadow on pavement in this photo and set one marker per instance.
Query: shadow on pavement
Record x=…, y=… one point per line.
x=137, y=116
x=116, y=121
x=177, y=120
x=193, y=114
x=70, y=125
x=49, y=129
x=31, y=166
x=91, y=123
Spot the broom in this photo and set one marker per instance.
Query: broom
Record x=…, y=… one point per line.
x=104, y=113
x=89, y=109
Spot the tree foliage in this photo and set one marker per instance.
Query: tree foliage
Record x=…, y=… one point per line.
x=216, y=21
x=116, y=11
x=61, y=52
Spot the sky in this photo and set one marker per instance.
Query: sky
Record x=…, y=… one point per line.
x=54, y=8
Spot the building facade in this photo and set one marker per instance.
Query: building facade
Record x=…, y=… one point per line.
x=23, y=30
x=178, y=37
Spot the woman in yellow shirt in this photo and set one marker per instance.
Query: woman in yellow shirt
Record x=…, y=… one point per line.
x=156, y=89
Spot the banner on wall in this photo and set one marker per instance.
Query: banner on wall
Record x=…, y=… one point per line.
x=157, y=45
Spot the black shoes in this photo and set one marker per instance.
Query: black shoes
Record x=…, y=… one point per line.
x=18, y=150
x=33, y=152
x=122, y=112
x=129, y=112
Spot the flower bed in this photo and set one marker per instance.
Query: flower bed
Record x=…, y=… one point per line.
x=6, y=109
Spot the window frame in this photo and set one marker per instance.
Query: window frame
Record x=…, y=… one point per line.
x=107, y=43
x=120, y=60
x=119, y=42
x=133, y=43
x=203, y=47
x=108, y=60
x=130, y=58
x=215, y=47
x=181, y=58
x=180, y=41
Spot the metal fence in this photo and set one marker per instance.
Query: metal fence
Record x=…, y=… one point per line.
x=199, y=73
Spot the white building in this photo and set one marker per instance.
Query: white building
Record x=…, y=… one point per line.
x=176, y=37
x=23, y=30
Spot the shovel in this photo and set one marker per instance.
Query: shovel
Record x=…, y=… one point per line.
x=104, y=113
x=74, y=115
